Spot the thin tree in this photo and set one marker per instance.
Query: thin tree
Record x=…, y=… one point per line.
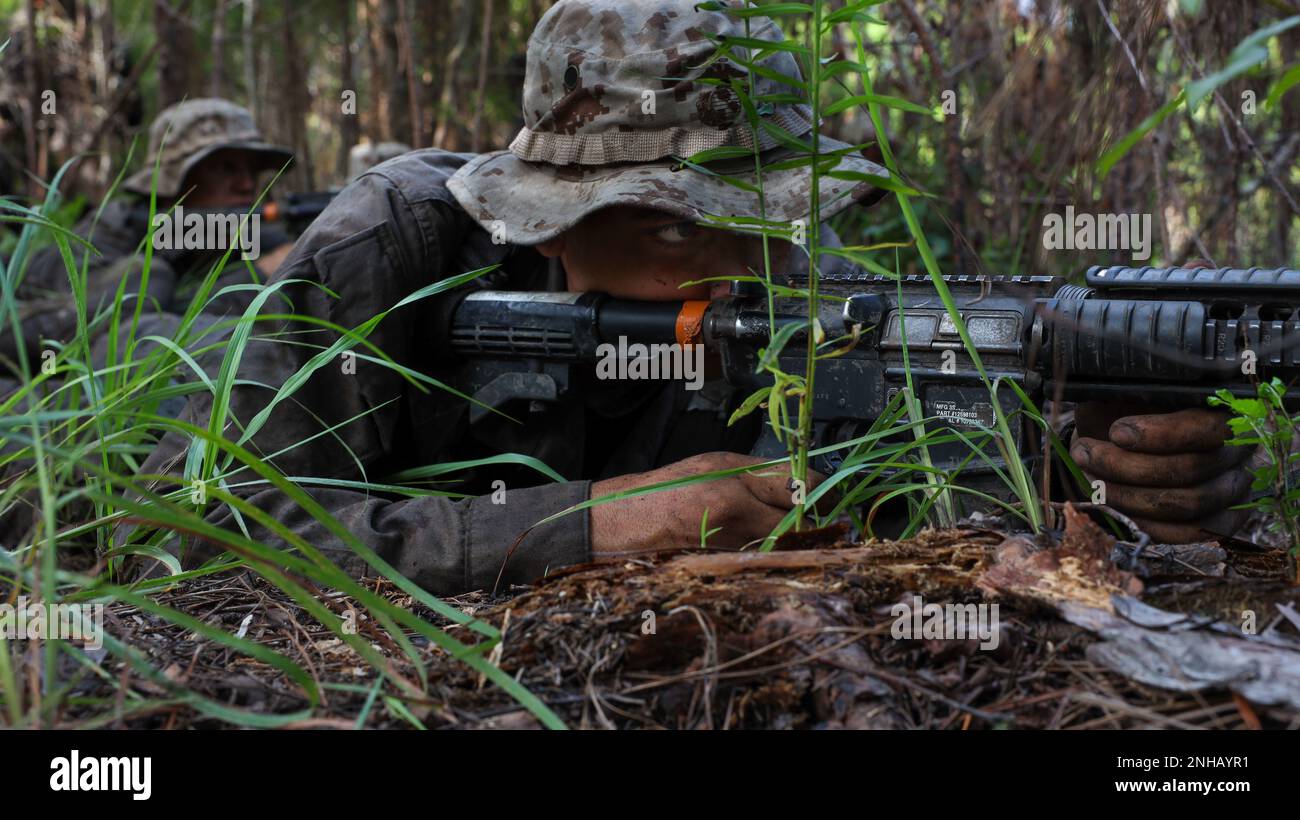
x=349, y=128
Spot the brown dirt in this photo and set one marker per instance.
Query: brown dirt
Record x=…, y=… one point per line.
x=796, y=639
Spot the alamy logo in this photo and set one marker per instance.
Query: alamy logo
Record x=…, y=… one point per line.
x=208, y=231
x=103, y=774
x=1098, y=232
x=946, y=622
x=656, y=361
x=67, y=622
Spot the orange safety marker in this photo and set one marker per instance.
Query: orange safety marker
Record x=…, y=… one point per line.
x=690, y=322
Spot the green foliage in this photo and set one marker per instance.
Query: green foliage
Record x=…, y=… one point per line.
x=1248, y=54
x=1264, y=423
x=74, y=434
x=705, y=532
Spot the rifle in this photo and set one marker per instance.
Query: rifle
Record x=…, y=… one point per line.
x=295, y=211
x=1163, y=336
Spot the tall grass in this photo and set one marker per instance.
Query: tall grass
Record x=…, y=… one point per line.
x=872, y=471
x=74, y=435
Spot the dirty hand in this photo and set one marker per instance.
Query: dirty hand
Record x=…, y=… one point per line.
x=1170, y=472
x=746, y=507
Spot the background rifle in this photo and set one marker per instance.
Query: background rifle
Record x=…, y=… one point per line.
x=294, y=212
x=297, y=211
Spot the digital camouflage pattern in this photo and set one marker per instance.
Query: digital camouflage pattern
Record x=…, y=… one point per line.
x=187, y=132
x=612, y=93
x=594, y=65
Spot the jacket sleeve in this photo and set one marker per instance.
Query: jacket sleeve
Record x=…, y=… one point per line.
x=52, y=315
x=387, y=235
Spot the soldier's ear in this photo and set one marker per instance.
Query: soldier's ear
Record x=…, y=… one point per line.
x=551, y=248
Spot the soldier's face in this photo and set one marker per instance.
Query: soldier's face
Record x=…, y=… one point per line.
x=638, y=253
x=226, y=179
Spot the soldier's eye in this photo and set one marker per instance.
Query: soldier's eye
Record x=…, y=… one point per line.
x=678, y=233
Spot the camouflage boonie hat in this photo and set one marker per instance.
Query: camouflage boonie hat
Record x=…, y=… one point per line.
x=199, y=128
x=366, y=155
x=611, y=96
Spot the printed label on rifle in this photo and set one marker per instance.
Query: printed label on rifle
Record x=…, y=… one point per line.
x=970, y=415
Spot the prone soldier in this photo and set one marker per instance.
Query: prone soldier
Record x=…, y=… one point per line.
x=209, y=154
x=588, y=197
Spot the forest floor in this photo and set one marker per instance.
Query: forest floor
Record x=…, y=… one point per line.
x=802, y=637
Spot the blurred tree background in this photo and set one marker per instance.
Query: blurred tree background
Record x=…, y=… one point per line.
x=1038, y=91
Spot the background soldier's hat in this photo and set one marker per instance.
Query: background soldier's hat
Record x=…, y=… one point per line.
x=195, y=129
x=366, y=155
x=611, y=95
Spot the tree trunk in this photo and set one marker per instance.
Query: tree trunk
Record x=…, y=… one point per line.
x=480, y=95
x=33, y=99
x=399, y=122
x=376, y=114
x=175, y=52
x=101, y=51
x=250, y=60
x=407, y=42
x=349, y=128
x=299, y=99
x=217, y=86
x=442, y=137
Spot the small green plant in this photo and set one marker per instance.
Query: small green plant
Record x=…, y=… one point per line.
x=705, y=531
x=1263, y=422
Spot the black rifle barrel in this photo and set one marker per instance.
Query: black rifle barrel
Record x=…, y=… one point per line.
x=1195, y=283
x=559, y=326
x=295, y=211
x=1136, y=325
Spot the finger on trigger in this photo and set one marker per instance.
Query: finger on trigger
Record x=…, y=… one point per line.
x=772, y=486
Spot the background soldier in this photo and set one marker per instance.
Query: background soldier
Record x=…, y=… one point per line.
x=209, y=154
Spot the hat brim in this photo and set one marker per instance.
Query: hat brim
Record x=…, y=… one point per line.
x=269, y=156
x=535, y=202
